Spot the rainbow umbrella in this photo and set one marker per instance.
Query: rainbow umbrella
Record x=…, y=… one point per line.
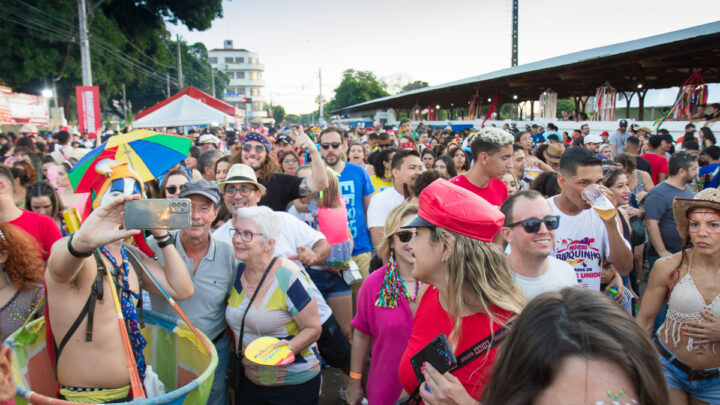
x=149, y=153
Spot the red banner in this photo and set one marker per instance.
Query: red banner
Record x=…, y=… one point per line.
x=88, y=106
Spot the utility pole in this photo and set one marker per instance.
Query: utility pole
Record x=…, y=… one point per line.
x=514, y=60
x=124, y=99
x=179, y=64
x=84, y=44
x=320, y=112
x=167, y=80
x=212, y=77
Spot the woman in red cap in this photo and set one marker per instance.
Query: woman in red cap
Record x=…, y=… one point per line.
x=472, y=294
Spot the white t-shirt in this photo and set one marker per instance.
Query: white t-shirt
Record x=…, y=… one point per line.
x=295, y=233
x=582, y=242
x=380, y=206
x=558, y=275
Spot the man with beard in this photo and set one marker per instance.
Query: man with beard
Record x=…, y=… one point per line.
x=281, y=188
x=212, y=266
x=406, y=166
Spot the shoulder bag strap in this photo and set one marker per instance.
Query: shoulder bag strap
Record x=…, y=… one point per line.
x=469, y=355
x=242, y=323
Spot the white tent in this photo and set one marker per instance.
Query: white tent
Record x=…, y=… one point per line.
x=183, y=111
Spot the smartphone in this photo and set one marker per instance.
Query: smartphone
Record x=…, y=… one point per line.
x=166, y=213
x=438, y=353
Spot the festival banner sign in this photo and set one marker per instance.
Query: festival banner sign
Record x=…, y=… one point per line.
x=88, y=107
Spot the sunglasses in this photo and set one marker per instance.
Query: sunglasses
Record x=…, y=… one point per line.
x=404, y=236
x=532, y=225
x=243, y=190
x=258, y=148
x=384, y=145
x=327, y=145
x=174, y=189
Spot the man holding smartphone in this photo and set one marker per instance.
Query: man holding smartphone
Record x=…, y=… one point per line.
x=212, y=266
x=87, y=350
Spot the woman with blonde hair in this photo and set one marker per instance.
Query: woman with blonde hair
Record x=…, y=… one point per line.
x=386, y=304
x=472, y=295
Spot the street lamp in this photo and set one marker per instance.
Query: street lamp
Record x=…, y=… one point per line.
x=47, y=93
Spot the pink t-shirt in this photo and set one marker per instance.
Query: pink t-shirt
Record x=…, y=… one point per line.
x=333, y=223
x=495, y=193
x=390, y=329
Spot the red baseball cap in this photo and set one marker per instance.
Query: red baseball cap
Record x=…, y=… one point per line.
x=458, y=210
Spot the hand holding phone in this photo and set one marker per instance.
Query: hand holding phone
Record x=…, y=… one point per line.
x=437, y=353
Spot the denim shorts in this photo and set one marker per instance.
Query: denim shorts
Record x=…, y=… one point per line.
x=329, y=284
x=703, y=390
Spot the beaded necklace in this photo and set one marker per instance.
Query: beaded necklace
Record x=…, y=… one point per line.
x=393, y=286
x=128, y=308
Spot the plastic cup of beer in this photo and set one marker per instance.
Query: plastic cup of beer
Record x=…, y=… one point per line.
x=532, y=171
x=598, y=201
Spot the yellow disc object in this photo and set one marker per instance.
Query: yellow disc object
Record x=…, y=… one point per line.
x=263, y=351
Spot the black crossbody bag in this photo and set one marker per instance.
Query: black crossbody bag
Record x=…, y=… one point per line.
x=466, y=357
x=236, y=371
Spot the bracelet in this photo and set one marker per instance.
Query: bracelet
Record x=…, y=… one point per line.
x=355, y=376
x=163, y=238
x=75, y=253
x=166, y=241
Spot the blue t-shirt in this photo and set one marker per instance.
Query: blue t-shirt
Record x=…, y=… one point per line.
x=354, y=185
x=537, y=139
x=705, y=170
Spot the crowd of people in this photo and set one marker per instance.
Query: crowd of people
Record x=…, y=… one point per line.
x=559, y=268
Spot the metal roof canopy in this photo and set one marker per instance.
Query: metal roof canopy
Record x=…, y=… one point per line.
x=656, y=62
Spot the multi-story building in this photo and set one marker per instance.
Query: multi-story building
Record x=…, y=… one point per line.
x=246, y=78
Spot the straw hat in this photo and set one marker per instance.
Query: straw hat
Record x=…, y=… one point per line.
x=241, y=173
x=707, y=198
x=554, y=152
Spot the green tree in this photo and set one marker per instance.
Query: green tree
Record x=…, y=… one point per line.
x=128, y=43
x=564, y=104
x=356, y=86
x=293, y=118
x=278, y=113
x=417, y=84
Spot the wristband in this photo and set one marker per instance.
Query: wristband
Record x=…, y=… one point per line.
x=356, y=376
x=166, y=241
x=75, y=253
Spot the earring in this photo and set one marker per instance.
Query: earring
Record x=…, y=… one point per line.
x=442, y=260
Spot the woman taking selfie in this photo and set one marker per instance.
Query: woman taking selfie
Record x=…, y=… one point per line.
x=472, y=294
x=688, y=342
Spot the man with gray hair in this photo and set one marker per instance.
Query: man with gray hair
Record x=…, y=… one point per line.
x=492, y=155
x=206, y=163
x=212, y=266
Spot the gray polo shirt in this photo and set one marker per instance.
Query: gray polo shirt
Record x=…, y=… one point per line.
x=212, y=281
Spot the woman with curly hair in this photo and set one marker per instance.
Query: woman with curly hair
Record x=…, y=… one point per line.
x=21, y=286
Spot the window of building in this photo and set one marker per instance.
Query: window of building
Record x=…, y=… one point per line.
x=257, y=105
x=240, y=75
x=253, y=75
x=255, y=91
x=239, y=60
x=231, y=75
x=228, y=60
x=213, y=60
x=253, y=60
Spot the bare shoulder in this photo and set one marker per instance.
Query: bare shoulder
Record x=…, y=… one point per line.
x=664, y=268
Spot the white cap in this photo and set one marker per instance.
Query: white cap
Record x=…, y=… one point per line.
x=207, y=138
x=593, y=138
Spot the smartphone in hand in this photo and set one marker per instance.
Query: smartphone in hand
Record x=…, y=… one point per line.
x=166, y=213
x=437, y=353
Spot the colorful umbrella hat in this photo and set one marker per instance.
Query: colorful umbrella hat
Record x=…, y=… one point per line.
x=149, y=153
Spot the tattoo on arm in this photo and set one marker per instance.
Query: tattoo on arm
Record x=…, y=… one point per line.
x=304, y=188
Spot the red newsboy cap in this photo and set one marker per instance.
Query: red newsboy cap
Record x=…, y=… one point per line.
x=458, y=210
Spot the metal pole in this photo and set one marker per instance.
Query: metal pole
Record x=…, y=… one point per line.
x=167, y=80
x=179, y=64
x=84, y=45
x=212, y=77
x=320, y=112
x=514, y=60
x=124, y=99
x=55, y=96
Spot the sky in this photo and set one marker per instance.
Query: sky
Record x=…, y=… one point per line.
x=433, y=41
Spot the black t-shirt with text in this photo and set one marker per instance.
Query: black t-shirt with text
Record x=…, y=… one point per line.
x=281, y=190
